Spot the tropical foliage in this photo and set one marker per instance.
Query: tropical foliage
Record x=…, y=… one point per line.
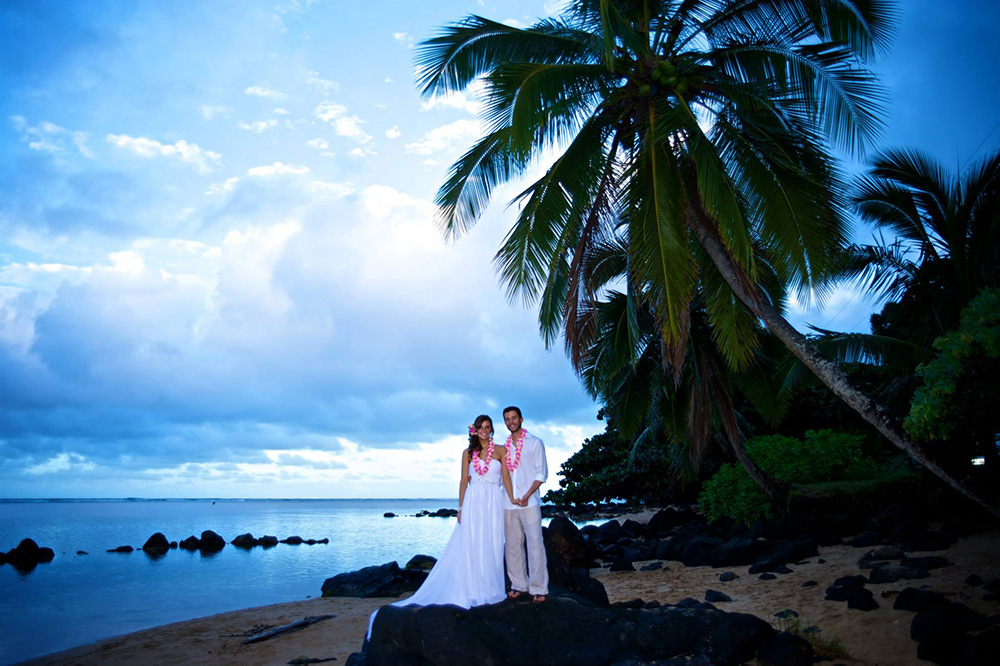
x=820, y=456
x=693, y=174
x=606, y=468
x=957, y=402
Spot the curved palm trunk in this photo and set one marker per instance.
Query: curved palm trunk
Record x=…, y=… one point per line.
x=777, y=492
x=827, y=371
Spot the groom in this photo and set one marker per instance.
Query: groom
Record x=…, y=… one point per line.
x=523, y=518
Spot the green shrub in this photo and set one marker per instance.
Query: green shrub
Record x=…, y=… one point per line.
x=824, y=455
x=959, y=384
x=732, y=493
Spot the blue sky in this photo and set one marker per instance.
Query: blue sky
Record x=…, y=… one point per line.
x=219, y=269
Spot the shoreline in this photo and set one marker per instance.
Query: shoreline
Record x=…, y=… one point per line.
x=879, y=637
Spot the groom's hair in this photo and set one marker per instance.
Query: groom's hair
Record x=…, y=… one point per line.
x=512, y=408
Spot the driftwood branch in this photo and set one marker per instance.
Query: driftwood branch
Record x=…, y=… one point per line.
x=287, y=628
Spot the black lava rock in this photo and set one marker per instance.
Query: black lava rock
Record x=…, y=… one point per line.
x=785, y=649
x=422, y=562
x=862, y=599
x=27, y=555
x=157, y=544
x=714, y=596
x=245, y=541
x=386, y=580
x=211, y=542
x=622, y=564
x=912, y=599
x=562, y=631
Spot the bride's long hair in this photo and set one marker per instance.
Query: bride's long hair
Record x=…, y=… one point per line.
x=475, y=446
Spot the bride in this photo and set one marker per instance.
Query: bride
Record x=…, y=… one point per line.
x=470, y=569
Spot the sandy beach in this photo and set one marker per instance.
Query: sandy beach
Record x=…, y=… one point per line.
x=878, y=637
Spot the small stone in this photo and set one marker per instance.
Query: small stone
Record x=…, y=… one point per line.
x=716, y=596
x=622, y=565
x=766, y=576
x=788, y=612
x=388, y=514
x=783, y=570
x=727, y=576
x=862, y=599
x=652, y=566
x=973, y=580
x=810, y=583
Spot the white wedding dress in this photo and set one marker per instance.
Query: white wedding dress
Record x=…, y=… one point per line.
x=470, y=569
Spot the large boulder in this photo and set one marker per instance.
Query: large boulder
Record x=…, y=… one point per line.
x=565, y=578
x=667, y=519
x=609, y=532
x=783, y=553
x=912, y=599
x=211, y=542
x=561, y=631
x=739, y=550
x=245, y=541
x=421, y=562
x=564, y=539
x=158, y=544
x=385, y=580
x=27, y=555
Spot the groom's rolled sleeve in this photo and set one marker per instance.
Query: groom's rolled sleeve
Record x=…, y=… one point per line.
x=541, y=464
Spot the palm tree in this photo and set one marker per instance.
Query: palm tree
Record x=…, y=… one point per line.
x=946, y=241
x=685, y=400
x=696, y=131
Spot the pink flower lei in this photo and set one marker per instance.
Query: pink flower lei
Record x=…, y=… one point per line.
x=514, y=460
x=476, y=461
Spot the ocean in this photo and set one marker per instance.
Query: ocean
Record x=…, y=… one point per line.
x=77, y=599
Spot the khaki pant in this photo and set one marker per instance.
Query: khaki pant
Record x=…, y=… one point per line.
x=524, y=526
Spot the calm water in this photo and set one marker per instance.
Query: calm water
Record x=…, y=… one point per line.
x=77, y=599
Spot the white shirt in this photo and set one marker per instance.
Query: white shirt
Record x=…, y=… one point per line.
x=533, y=467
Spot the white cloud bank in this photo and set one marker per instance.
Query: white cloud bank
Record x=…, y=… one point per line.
x=205, y=161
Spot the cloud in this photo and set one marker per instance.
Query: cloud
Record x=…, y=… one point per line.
x=404, y=38
x=325, y=86
x=308, y=328
x=205, y=161
x=331, y=189
x=223, y=188
x=393, y=132
x=278, y=168
x=343, y=124
x=48, y=137
x=263, y=91
x=258, y=126
x=466, y=101
x=211, y=112
x=318, y=144
x=280, y=112
x=455, y=100
x=447, y=138
x=554, y=7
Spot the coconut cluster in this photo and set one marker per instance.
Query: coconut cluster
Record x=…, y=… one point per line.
x=664, y=74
